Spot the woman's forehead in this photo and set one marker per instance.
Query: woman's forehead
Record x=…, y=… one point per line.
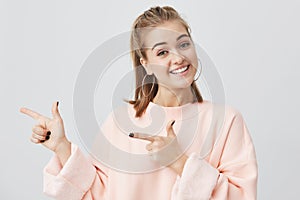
x=167, y=32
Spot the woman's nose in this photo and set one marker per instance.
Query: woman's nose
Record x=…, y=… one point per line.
x=177, y=58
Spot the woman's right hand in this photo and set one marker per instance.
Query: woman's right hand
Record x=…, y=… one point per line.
x=49, y=132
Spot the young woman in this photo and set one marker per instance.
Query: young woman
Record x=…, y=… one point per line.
x=161, y=43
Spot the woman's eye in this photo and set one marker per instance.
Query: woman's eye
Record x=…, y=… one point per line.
x=161, y=53
x=184, y=45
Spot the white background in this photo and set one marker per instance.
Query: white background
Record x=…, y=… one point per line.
x=255, y=46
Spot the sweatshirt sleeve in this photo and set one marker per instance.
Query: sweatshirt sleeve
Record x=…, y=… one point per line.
x=77, y=179
x=233, y=177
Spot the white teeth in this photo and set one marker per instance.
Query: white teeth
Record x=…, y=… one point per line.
x=180, y=70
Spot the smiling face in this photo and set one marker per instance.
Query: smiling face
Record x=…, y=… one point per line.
x=170, y=55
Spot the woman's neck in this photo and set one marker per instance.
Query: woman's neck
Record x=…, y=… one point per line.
x=171, y=98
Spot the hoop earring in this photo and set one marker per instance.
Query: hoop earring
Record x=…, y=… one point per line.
x=143, y=83
x=200, y=71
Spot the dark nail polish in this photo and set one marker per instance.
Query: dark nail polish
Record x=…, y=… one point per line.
x=131, y=134
x=49, y=133
x=173, y=123
x=57, y=103
x=42, y=141
x=47, y=137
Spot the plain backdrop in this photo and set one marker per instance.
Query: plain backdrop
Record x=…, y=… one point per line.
x=254, y=44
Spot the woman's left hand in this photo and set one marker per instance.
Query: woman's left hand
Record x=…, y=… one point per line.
x=164, y=150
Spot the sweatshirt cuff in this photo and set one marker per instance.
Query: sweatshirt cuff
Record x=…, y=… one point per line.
x=73, y=179
x=197, y=181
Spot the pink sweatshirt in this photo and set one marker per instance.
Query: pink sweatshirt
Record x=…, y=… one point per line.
x=221, y=164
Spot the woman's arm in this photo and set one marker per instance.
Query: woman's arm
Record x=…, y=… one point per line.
x=79, y=178
x=233, y=174
x=69, y=174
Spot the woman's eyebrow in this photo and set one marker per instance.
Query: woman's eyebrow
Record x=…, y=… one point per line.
x=161, y=43
x=157, y=44
x=181, y=36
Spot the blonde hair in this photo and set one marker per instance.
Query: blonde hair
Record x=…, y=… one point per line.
x=153, y=17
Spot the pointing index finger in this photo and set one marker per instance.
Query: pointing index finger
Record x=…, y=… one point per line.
x=30, y=113
x=142, y=136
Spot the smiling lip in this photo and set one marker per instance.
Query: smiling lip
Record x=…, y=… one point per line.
x=180, y=70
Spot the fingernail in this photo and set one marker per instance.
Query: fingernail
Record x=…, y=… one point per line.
x=49, y=133
x=57, y=103
x=131, y=134
x=173, y=123
x=42, y=141
x=47, y=137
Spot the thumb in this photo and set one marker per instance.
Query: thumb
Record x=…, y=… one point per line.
x=55, y=112
x=170, y=131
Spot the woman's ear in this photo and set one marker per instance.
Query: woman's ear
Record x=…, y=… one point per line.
x=146, y=67
x=143, y=62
